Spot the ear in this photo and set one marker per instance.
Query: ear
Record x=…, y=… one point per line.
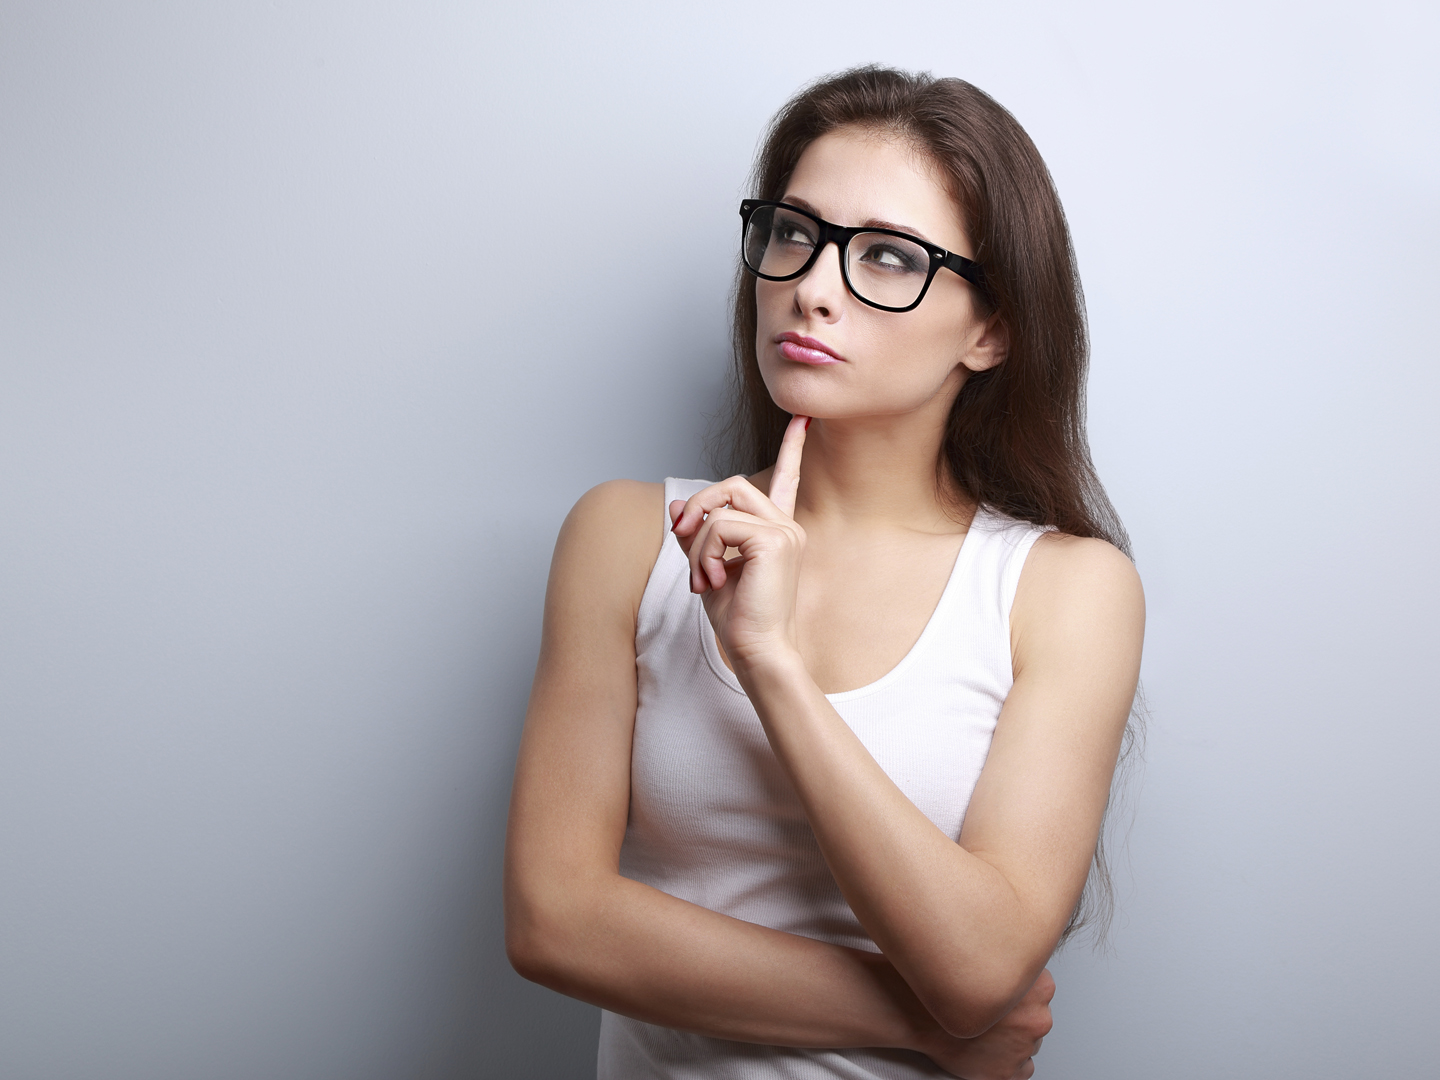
x=990, y=347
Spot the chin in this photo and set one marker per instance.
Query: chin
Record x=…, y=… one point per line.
x=798, y=395
x=802, y=390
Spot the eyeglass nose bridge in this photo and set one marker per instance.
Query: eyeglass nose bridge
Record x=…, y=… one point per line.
x=828, y=236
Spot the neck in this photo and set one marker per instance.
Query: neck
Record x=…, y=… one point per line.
x=879, y=472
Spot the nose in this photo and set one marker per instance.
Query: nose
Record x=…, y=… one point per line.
x=820, y=292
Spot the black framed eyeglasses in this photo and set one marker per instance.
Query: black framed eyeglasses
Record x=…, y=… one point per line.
x=886, y=269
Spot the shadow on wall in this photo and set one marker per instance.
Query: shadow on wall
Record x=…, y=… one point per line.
x=507, y=1027
x=503, y=1026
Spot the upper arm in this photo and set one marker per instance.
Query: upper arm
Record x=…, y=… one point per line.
x=571, y=795
x=1077, y=625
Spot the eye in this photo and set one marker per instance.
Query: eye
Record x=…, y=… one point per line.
x=791, y=232
x=892, y=256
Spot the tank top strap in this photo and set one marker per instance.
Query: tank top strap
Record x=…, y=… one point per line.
x=993, y=557
x=676, y=488
x=667, y=593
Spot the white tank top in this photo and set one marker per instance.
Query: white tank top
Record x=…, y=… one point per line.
x=714, y=819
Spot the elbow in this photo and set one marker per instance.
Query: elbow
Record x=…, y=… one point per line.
x=968, y=1019
x=553, y=920
x=968, y=1011
x=526, y=951
x=534, y=932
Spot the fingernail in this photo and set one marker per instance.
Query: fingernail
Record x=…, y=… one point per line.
x=807, y=422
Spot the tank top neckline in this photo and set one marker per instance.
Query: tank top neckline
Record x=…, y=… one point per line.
x=711, y=649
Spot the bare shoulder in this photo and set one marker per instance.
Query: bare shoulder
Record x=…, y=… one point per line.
x=610, y=540
x=1075, y=589
x=619, y=508
x=1075, y=564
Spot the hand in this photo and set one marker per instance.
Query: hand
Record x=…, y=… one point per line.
x=1007, y=1050
x=749, y=597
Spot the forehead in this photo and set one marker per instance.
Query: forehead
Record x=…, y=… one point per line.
x=854, y=177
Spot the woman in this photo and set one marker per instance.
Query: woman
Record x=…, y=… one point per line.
x=810, y=786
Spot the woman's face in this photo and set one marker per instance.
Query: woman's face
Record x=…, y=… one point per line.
x=878, y=362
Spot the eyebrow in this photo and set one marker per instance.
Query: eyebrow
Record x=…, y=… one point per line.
x=871, y=223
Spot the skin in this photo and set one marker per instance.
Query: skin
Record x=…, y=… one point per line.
x=818, y=576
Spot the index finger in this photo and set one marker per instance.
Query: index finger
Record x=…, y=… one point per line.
x=785, y=480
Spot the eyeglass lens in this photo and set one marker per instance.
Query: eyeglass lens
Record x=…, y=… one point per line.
x=884, y=269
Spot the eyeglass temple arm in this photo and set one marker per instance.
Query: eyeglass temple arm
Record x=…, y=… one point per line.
x=970, y=270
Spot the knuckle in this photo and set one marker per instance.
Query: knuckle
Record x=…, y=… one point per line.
x=734, y=485
x=714, y=495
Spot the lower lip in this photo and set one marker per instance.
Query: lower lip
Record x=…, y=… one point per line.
x=802, y=355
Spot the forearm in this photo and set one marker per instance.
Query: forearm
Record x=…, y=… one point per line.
x=953, y=925
x=635, y=950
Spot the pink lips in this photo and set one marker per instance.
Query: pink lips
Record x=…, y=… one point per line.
x=806, y=350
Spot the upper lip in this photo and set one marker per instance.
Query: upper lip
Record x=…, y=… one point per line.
x=807, y=342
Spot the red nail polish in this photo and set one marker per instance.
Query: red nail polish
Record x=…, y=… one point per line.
x=807, y=422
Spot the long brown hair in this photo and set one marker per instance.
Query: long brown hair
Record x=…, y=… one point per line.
x=1015, y=438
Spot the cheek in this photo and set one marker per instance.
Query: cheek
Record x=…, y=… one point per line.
x=934, y=338
x=773, y=303
x=772, y=300
x=920, y=348
x=944, y=340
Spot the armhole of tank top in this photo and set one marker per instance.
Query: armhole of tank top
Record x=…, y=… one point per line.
x=1014, y=567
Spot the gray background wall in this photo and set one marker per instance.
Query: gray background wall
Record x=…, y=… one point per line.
x=312, y=327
